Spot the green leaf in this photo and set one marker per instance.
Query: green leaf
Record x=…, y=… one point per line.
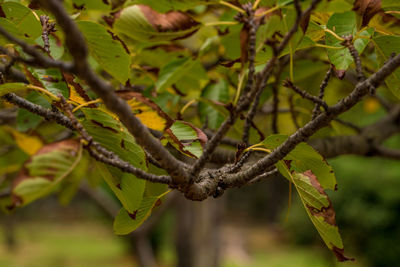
x=344, y=24
x=126, y=222
x=9, y=27
x=142, y=24
x=304, y=158
x=384, y=47
x=25, y=21
x=218, y=92
x=45, y=170
x=27, y=120
x=106, y=50
x=11, y=88
x=186, y=138
x=390, y=4
x=111, y=134
x=172, y=72
x=50, y=79
x=128, y=189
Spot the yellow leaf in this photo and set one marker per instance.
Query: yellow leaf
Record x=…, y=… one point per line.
x=147, y=115
x=29, y=144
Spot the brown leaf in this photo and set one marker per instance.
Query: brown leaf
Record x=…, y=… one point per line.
x=170, y=21
x=339, y=253
x=367, y=9
x=328, y=213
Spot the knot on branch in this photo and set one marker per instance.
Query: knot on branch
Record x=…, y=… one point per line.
x=211, y=183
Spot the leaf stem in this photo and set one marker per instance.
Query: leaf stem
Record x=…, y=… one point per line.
x=239, y=88
x=329, y=47
x=232, y=6
x=334, y=34
x=185, y=107
x=217, y=23
x=44, y=91
x=86, y=104
x=256, y=3
x=268, y=11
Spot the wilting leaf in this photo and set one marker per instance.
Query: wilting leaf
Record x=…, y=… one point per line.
x=23, y=18
x=304, y=158
x=106, y=50
x=142, y=23
x=45, y=170
x=126, y=222
x=218, y=92
x=367, y=9
x=76, y=92
x=28, y=143
x=186, y=138
x=385, y=46
x=147, y=111
x=344, y=24
x=318, y=206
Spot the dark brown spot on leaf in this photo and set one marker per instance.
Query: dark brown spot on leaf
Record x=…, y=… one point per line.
x=133, y=215
x=104, y=127
x=158, y=203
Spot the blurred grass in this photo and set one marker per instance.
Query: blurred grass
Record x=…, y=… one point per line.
x=71, y=245
x=83, y=244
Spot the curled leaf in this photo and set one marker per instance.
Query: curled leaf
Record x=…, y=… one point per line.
x=45, y=170
x=367, y=9
x=142, y=23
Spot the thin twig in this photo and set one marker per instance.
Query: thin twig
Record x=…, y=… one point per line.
x=47, y=29
x=306, y=95
x=322, y=88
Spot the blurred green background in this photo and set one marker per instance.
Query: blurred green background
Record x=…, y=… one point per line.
x=257, y=227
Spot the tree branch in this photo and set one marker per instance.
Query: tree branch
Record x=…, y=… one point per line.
x=77, y=47
x=95, y=149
